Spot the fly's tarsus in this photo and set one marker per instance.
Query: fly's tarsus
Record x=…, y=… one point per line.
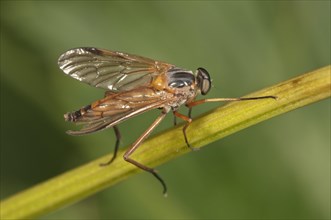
x=117, y=144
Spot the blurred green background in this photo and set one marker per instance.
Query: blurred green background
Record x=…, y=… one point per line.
x=277, y=169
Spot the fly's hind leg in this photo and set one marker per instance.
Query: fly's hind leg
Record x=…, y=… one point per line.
x=117, y=144
x=137, y=143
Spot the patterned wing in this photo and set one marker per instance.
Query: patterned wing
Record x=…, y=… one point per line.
x=110, y=70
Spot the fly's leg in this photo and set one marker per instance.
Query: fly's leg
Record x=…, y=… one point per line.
x=117, y=144
x=202, y=101
x=189, y=112
x=188, y=119
x=137, y=143
x=175, y=121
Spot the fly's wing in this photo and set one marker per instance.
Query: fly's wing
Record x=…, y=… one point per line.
x=110, y=70
x=115, y=109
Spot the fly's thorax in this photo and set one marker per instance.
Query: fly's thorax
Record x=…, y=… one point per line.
x=178, y=78
x=182, y=86
x=184, y=96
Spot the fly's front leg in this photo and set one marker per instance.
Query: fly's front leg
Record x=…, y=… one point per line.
x=188, y=120
x=137, y=143
x=202, y=101
x=117, y=144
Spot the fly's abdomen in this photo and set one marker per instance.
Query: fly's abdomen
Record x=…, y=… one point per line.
x=76, y=115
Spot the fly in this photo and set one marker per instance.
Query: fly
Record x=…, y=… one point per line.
x=134, y=85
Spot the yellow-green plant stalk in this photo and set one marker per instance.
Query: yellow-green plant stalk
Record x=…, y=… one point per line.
x=83, y=181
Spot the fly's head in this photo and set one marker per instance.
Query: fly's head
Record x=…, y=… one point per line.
x=203, y=80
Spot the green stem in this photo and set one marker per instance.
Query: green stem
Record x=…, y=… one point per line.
x=90, y=178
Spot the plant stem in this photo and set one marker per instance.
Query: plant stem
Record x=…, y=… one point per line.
x=90, y=178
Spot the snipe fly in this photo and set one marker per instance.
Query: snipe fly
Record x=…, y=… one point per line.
x=134, y=85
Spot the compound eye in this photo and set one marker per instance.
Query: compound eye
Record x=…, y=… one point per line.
x=203, y=81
